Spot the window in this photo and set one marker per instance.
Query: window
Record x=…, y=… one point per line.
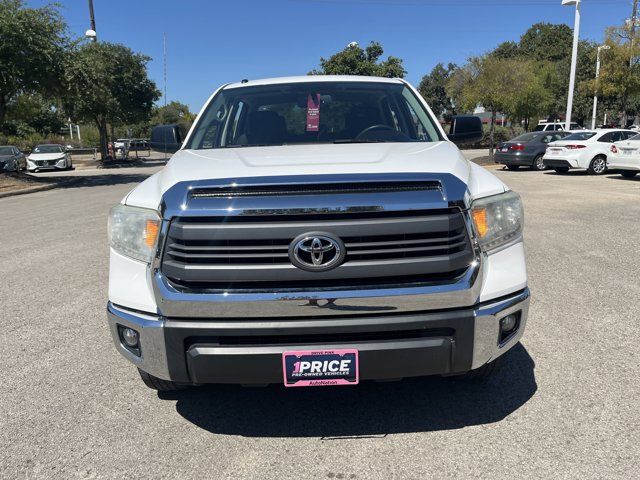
x=580, y=136
x=48, y=149
x=627, y=135
x=313, y=112
x=526, y=137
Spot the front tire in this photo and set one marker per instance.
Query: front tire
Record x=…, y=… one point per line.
x=628, y=173
x=158, y=384
x=538, y=164
x=598, y=165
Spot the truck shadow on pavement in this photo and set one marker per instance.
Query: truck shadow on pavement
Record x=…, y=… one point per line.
x=369, y=410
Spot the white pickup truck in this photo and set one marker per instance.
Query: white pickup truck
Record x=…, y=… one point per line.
x=317, y=230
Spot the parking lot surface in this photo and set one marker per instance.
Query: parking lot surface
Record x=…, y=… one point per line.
x=566, y=405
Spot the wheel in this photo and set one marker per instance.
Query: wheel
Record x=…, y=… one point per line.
x=628, y=173
x=598, y=165
x=538, y=164
x=561, y=169
x=513, y=168
x=484, y=372
x=158, y=384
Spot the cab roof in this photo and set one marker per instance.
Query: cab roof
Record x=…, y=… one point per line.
x=312, y=78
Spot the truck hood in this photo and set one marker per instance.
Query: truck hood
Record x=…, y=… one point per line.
x=292, y=160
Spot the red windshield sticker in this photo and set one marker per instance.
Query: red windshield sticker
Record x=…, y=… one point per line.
x=313, y=113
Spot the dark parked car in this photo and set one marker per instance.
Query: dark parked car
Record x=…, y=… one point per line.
x=12, y=159
x=527, y=150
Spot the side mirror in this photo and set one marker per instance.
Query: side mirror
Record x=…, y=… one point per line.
x=166, y=139
x=465, y=129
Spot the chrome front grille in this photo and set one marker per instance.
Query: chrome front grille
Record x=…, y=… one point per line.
x=252, y=251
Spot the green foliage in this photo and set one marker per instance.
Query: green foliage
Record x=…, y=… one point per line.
x=547, y=42
x=620, y=71
x=433, y=88
x=508, y=85
x=33, y=42
x=506, y=50
x=174, y=112
x=30, y=113
x=108, y=83
x=354, y=60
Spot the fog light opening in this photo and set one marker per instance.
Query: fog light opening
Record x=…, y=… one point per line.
x=130, y=339
x=508, y=327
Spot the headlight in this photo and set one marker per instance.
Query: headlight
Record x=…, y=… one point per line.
x=497, y=219
x=134, y=231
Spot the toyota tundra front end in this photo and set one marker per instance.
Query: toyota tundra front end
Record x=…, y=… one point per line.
x=316, y=231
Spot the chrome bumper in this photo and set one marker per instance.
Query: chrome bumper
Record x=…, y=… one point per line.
x=160, y=355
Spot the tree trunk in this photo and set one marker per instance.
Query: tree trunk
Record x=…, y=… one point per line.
x=492, y=130
x=102, y=129
x=3, y=108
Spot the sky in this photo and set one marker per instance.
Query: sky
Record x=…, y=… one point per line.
x=212, y=42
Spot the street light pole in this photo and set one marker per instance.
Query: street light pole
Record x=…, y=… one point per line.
x=92, y=33
x=574, y=59
x=595, y=97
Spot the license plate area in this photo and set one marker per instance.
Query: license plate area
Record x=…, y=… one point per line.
x=320, y=368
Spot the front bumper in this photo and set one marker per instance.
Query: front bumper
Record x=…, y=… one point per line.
x=210, y=350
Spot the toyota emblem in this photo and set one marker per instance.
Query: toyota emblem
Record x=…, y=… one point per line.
x=317, y=252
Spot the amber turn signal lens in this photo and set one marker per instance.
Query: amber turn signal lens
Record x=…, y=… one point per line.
x=151, y=229
x=480, y=220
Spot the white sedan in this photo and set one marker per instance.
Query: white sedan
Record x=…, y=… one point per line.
x=585, y=150
x=49, y=157
x=625, y=156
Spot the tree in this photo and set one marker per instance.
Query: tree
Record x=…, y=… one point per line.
x=29, y=113
x=533, y=96
x=108, y=83
x=433, y=88
x=174, y=112
x=547, y=42
x=354, y=60
x=619, y=78
x=495, y=83
x=506, y=50
x=32, y=44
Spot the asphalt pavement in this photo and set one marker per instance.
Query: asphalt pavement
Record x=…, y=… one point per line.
x=566, y=405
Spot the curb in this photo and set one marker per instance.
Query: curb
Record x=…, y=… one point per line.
x=41, y=188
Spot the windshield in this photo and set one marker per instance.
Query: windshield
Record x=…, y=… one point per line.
x=636, y=138
x=314, y=112
x=6, y=151
x=579, y=136
x=48, y=149
x=526, y=137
